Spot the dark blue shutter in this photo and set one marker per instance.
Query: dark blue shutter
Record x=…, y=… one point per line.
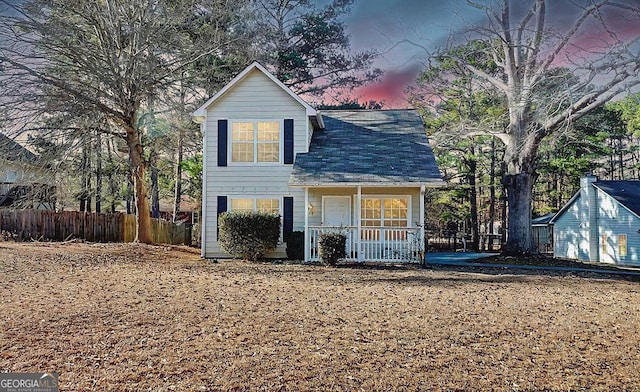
x=222, y=207
x=287, y=213
x=222, y=142
x=288, y=141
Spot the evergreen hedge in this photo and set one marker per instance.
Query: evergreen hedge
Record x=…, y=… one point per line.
x=295, y=245
x=248, y=235
x=331, y=247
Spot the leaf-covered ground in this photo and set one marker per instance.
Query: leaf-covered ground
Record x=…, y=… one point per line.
x=141, y=318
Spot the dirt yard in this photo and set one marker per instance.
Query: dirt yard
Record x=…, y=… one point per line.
x=142, y=318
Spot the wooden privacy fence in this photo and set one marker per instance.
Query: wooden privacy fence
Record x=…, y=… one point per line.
x=45, y=225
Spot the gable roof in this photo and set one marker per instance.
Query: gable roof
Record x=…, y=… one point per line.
x=543, y=220
x=368, y=147
x=10, y=150
x=200, y=113
x=626, y=193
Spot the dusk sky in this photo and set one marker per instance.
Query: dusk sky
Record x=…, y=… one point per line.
x=384, y=24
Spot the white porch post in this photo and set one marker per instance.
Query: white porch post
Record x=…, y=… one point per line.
x=422, y=216
x=359, y=224
x=307, y=249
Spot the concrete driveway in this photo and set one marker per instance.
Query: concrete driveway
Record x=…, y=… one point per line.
x=455, y=257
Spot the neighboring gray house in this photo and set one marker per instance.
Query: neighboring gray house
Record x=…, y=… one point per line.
x=23, y=184
x=360, y=172
x=600, y=223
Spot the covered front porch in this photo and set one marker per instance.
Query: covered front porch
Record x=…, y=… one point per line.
x=381, y=224
x=375, y=244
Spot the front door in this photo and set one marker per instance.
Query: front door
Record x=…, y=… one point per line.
x=336, y=211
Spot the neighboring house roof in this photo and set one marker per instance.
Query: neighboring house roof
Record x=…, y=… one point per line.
x=626, y=193
x=12, y=151
x=543, y=220
x=367, y=147
x=200, y=113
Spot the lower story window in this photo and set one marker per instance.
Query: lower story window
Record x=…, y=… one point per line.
x=622, y=245
x=387, y=212
x=256, y=205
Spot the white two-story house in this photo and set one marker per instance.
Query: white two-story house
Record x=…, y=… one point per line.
x=360, y=172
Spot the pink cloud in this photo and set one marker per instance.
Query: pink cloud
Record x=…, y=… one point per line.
x=391, y=89
x=596, y=39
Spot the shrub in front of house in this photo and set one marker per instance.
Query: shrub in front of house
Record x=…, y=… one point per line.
x=248, y=235
x=331, y=247
x=295, y=245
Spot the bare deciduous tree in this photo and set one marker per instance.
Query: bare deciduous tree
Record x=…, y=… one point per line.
x=541, y=97
x=105, y=58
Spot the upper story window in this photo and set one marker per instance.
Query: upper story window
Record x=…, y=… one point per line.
x=255, y=141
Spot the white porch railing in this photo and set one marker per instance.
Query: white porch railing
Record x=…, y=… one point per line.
x=377, y=244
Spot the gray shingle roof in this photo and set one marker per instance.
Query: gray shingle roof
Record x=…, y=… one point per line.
x=626, y=193
x=13, y=151
x=543, y=220
x=374, y=147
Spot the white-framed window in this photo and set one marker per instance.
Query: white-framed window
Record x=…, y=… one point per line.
x=622, y=245
x=384, y=211
x=255, y=205
x=256, y=141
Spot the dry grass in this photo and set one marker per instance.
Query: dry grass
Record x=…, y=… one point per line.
x=138, y=318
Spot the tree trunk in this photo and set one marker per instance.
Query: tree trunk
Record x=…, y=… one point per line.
x=131, y=208
x=473, y=200
x=155, y=192
x=519, y=189
x=98, y=172
x=520, y=159
x=83, y=179
x=177, y=191
x=492, y=188
x=621, y=157
x=138, y=169
x=113, y=188
x=503, y=218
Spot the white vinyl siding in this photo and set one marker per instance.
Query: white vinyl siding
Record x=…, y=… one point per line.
x=255, y=99
x=621, y=227
x=617, y=236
